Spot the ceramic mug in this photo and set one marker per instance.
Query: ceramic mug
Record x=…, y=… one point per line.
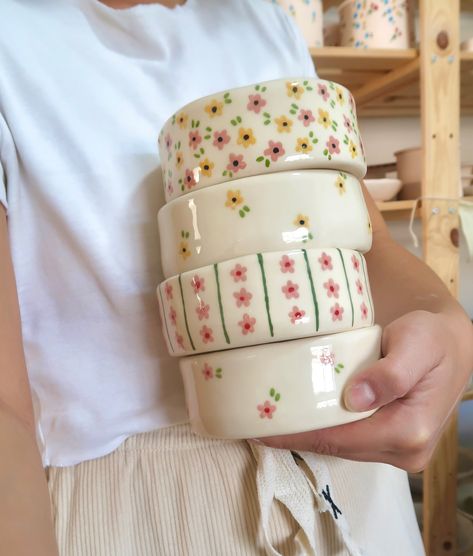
x=267, y=297
x=308, y=16
x=272, y=212
x=282, y=388
x=286, y=124
x=375, y=24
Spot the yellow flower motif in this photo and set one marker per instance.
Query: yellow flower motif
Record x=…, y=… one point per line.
x=246, y=137
x=353, y=149
x=206, y=167
x=301, y=221
x=339, y=95
x=294, y=89
x=324, y=118
x=179, y=159
x=284, y=124
x=303, y=145
x=214, y=108
x=234, y=199
x=184, y=250
x=182, y=119
x=340, y=185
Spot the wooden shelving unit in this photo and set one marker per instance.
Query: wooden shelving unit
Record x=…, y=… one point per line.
x=435, y=81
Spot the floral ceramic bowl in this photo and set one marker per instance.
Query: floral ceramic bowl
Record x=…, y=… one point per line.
x=264, y=298
x=289, y=124
x=271, y=212
x=308, y=15
x=375, y=24
x=281, y=388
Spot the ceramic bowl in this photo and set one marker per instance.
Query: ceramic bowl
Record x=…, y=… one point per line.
x=263, y=298
x=272, y=212
x=281, y=388
x=308, y=15
x=378, y=24
x=286, y=124
x=383, y=189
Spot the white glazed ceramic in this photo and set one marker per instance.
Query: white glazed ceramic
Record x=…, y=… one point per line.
x=281, y=388
x=375, y=24
x=272, y=212
x=383, y=189
x=286, y=124
x=264, y=298
x=308, y=15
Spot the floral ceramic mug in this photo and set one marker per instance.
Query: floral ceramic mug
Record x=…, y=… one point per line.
x=270, y=212
x=263, y=298
x=282, y=388
x=308, y=16
x=286, y=124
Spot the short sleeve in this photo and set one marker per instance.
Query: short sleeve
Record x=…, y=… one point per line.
x=4, y=137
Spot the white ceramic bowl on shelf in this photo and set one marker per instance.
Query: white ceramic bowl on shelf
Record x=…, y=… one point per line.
x=383, y=189
x=264, y=298
x=375, y=24
x=281, y=388
x=308, y=15
x=271, y=212
x=286, y=124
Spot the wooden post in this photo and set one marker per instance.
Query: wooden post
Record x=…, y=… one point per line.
x=440, y=102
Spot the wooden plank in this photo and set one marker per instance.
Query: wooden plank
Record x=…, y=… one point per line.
x=389, y=206
x=468, y=395
x=370, y=59
x=440, y=112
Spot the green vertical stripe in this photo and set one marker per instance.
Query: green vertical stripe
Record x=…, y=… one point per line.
x=348, y=287
x=312, y=289
x=266, y=296
x=185, y=314
x=219, y=295
x=367, y=287
x=165, y=319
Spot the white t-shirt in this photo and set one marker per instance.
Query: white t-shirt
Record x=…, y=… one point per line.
x=84, y=91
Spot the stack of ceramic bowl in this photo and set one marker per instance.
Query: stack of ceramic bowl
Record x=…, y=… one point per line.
x=262, y=238
x=308, y=16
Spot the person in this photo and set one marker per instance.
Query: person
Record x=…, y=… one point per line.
x=97, y=458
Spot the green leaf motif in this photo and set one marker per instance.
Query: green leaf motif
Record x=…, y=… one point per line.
x=241, y=213
x=209, y=129
x=257, y=87
x=293, y=112
x=326, y=152
x=246, y=209
x=272, y=392
x=267, y=163
x=260, y=159
x=228, y=101
x=218, y=372
x=233, y=122
x=263, y=89
x=197, y=156
x=206, y=137
x=277, y=397
x=238, y=118
x=266, y=114
x=267, y=122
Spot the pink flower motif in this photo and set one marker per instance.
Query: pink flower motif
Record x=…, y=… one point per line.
x=325, y=261
x=255, y=103
x=168, y=290
x=274, y=150
x=239, y=273
x=207, y=371
x=287, y=264
x=221, y=138
x=359, y=287
x=189, y=179
x=198, y=283
x=296, y=315
x=242, y=297
x=306, y=117
x=169, y=187
x=290, y=290
x=347, y=123
x=207, y=334
x=327, y=358
x=356, y=263
x=202, y=311
x=323, y=91
x=247, y=324
x=168, y=142
x=172, y=315
x=364, y=311
x=195, y=139
x=332, y=288
x=337, y=312
x=266, y=410
x=179, y=340
x=236, y=163
x=333, y=145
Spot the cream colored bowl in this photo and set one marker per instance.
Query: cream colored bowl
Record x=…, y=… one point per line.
x=272, y=212
x=265, y=298
x=375, y=24
x=308, y=15
x=286, y=124
x=281, y=388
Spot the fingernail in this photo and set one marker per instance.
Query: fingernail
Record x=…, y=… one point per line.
x=359, y=397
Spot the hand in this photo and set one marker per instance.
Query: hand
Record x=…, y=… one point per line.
x=427, y=360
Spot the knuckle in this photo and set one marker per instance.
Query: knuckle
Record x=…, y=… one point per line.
x=398, y=380
x=414, y=442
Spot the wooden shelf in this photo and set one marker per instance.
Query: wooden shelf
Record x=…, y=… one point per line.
x=468, y=395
